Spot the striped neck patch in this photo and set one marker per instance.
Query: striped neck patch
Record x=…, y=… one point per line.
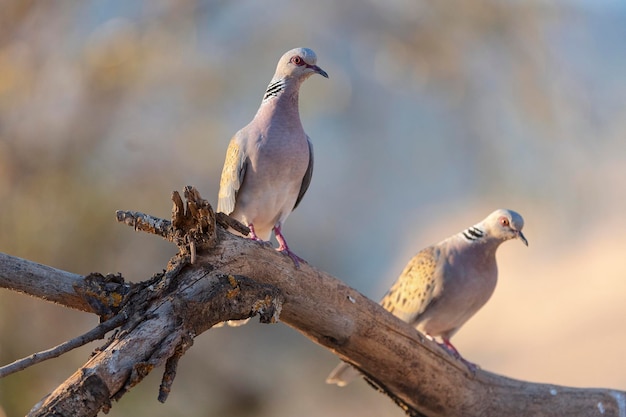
x=274, y=89
x=473, y=233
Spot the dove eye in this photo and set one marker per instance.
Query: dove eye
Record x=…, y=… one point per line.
x=297, y=60
x=504, y=221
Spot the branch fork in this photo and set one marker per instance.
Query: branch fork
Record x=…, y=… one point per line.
x=157, y=319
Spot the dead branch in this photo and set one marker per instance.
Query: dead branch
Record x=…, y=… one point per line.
x=160, y=333
x=233, y=277
x=97, y=333
x=41, y=281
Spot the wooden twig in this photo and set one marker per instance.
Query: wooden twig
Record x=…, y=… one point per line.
x=171, y=367
x=97, y=333
x=226, y=222
x=146, y=223
x=42, y=281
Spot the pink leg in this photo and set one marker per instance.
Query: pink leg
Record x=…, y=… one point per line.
x=282, y=247
x=253, y=235
x=452, y=350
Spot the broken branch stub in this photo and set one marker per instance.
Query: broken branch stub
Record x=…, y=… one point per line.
x=192, y=226
x=195, y=225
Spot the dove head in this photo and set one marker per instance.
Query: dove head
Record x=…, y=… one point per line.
x=299, y=64
x=504, y=225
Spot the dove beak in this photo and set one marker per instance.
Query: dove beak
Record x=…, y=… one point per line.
x=521, y=236
x=318, y=70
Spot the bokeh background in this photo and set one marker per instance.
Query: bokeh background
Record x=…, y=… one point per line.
x=435, y=114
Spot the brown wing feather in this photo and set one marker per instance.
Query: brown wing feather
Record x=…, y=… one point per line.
x=232, y=178
x=414, y=289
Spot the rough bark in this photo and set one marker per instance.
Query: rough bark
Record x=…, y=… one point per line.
x=163, y=320
x=41, y=281
x=219, y=276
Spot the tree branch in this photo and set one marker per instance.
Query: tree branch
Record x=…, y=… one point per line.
x=97, y=333
x=41, y=281
x=163, y=331
x=414, y=371
x=232, y=278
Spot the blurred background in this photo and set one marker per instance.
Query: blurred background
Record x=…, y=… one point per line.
x=435, y=114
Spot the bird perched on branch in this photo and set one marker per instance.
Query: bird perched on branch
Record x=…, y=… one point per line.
x=269, y=162
x=445, y=284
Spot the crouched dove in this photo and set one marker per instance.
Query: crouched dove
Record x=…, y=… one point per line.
x=445, y=284
x=269, y=162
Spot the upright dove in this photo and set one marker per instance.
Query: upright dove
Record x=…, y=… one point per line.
x=445, y=284
x=269, y=162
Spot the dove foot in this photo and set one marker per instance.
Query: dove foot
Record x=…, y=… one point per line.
x=282, y=247
x=253, y=236
x=449, y=347
x=471, y=366
x=295, y=258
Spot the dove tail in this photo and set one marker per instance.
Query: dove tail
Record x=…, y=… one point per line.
x=342, y=375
